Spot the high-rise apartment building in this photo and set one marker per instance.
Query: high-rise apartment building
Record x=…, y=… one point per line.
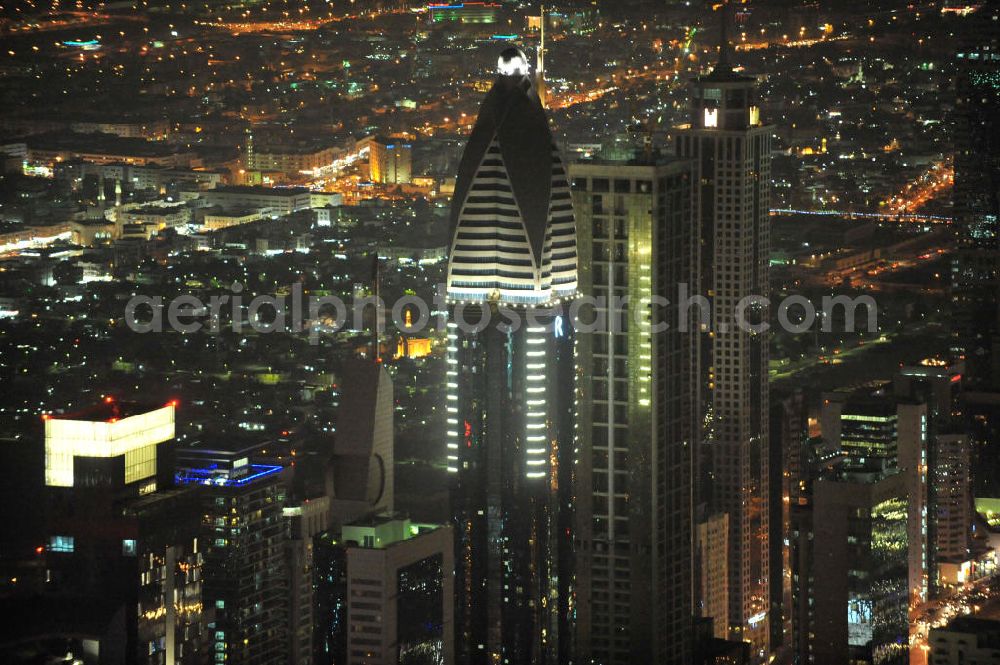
x=815, y=463
x=787, y=465
x=637, y=239
x=172, y=620
x=245, y=578
x=950, y=520
x=731, y=149
x=511, y=390
x=713, y=572
x=947, y=528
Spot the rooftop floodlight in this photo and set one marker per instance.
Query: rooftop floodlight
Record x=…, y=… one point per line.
x=513, y=62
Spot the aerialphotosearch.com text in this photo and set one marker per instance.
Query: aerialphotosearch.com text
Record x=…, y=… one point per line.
x=326, y=315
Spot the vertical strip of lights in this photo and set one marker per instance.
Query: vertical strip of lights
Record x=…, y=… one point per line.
x=536, y=405
x=451, y=378
x=922, y=479
x=645, y=298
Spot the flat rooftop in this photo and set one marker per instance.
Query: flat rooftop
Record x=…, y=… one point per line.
x=110, y=409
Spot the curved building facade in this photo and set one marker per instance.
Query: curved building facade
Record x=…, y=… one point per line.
x=512, y=229
x=511, y=383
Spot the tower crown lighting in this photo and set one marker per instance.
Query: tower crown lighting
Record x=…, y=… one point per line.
x=513, y=62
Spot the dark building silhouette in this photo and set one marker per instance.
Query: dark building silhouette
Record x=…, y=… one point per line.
x=976, y=198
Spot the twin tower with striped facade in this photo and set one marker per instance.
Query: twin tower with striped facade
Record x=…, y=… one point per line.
x=511, y=391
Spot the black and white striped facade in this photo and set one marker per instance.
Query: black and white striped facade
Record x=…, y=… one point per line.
x=513, y=233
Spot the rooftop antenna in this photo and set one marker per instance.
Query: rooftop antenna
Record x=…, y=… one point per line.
x=723, y=62
x=647, y=139
x=376, y=279
x=540, y=60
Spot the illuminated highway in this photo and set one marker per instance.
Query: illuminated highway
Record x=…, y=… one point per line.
x=938, y=178
x=874, y=216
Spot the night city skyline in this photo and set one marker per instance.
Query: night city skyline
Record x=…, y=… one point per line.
x=500, y=333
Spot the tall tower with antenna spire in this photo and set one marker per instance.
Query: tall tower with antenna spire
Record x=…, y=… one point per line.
x=724, y=48
x=731, y=149
x=511, y=399
x=540, y=61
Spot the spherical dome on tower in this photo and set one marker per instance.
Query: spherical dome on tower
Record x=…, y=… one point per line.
x=513, y=62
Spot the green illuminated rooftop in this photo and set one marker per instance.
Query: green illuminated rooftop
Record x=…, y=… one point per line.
x=379, y=531
x=989, y=508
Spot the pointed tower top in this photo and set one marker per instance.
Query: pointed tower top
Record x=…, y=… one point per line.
x=540, y=60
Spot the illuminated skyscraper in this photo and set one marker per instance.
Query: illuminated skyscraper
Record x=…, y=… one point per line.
x=638, y=425
x=731, y=148
x=120, y=535
x=950, y=521
x=245, y=580
x=886, y=436
x=511, y=391
x=540, y=86
x=113, y=445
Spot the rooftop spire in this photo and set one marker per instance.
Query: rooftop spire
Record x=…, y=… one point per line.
x=540, y=60
x=723, y=62
x=377, y=319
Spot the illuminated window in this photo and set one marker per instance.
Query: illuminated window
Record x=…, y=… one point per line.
x=711, y=117
x=62, y=543
x=754, y=116
x=128, y=547
x=140, y=463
